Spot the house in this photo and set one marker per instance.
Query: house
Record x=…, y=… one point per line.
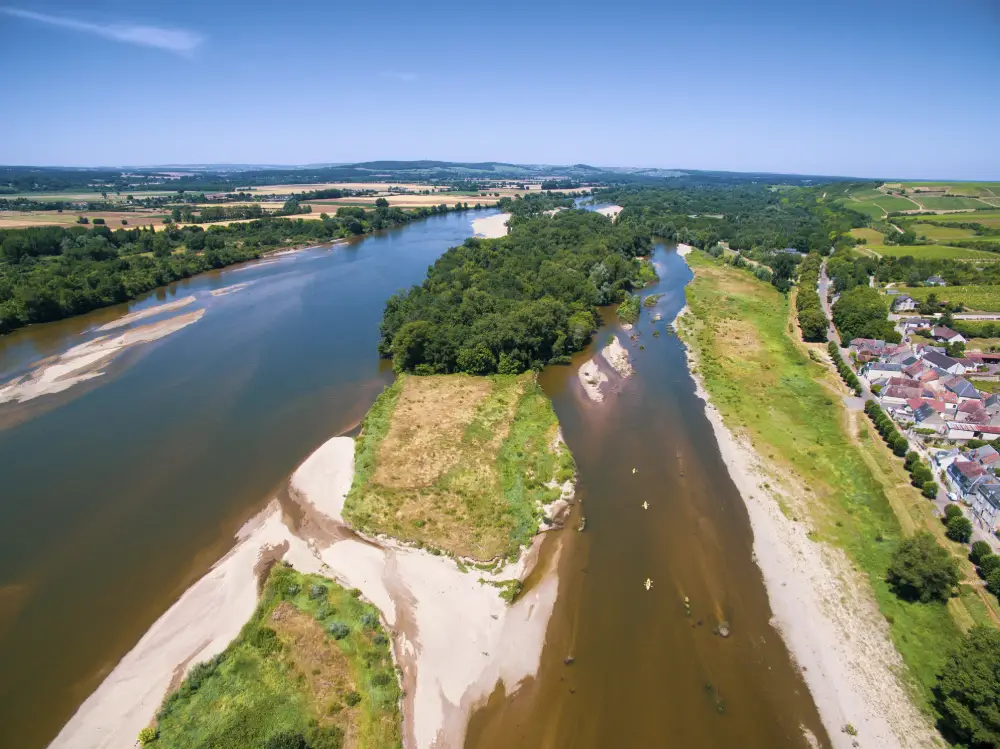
x=878, y=370
x=944, y=363
x=986, y=455
x=966, y=474
x=956, y=430
x=972, y=412
x=944, y=458
x=988, y=433
x=963, y=389
x=985, y=503
x=935, y=281
x=947, y=335
x=916, y=323
x=904, y=303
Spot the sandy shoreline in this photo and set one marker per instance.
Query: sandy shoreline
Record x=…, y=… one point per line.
x=591, y=377
x=684, y=250
x=452, y=634
x=823, y=610
x=610, y=211
x=491, y=227
x=617, y=356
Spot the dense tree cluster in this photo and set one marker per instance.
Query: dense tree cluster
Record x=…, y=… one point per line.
x=812, y=319
x=745, y=216
x=968, y=691
x=510, y=304
x=533, y=204
x=863, y=313
x=47, y=273
x=846, y=373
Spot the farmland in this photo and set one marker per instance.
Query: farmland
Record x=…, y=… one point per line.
x=933, y=252
x=968, y=189
x=979, y=298
x=948, y=203
x=871, y=236
x=986, y=218
x=937, y=233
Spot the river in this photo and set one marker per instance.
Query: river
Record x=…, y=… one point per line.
x=120, y=492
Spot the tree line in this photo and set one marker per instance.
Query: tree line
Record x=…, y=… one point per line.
x=51, y=272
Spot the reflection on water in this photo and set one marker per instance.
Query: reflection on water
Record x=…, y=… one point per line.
x=646, y=670
x=119, y=492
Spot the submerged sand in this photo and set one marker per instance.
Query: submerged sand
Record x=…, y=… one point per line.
x=824, y=610
x=591, y=377
x=453, y=635
x=87, y=360
x=491, y=227
x=142, y=314
x=226, y=290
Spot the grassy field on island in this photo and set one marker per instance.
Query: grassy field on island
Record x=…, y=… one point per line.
x=773, y=392
x=979, y=298
x=312, y=665
x=459, y=463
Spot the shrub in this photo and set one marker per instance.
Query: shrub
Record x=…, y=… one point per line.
x=338, y=630
x=265, y=640
x=900, y=446
x=951, y=511
x=148, y=735
x=921, y=569
x=294, y=589
x=980, y=550
x=968, y=689
x=929, y=489
x=959, y=529
x=369, y=620
x=326, y=737
x=912, y=459
x=317, y=591
x=352, y=699
x=993, y=582
x=382, y=678
x=286, y=740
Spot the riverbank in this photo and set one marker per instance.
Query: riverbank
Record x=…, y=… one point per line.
x=452, y=633
x=823, y=608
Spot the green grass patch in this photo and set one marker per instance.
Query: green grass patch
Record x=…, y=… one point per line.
x=458, y=463
x=937, y=233
x=871, y=236
x=313, y=661
x=768, y=387
x=868, y=209
x=981, y=298
x=933, y=252
x=948, y=203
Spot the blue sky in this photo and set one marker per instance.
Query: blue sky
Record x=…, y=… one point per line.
x=876, y=89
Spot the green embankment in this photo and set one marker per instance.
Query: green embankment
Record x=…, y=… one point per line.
x=772, y=390
x=313, y=663
x=458, y=463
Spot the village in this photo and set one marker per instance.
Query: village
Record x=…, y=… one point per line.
x=927, y=384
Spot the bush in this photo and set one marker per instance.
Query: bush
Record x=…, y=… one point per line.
x=326, y=737
x=921, y=569
x=900, y=446
x=338, y=630
x=952, y=511
x=265, y=640
x=980, y=550
x=148, y=735
x=968, y=689
x=352, y=699
x=929, y=489
x=317, y=591
x=286, y=740
x=959, y=529
x=993, y=582
x=369, y=620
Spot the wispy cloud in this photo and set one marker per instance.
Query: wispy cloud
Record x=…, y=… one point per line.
x=397, y=76
x=178, y=41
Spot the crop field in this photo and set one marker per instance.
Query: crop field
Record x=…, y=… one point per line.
x=868, y=209
x=871, y=236
x=968, y=189
x=24, y=219
x=986, y=218
x=979, y=298
x=944, y=203
x=933, y=252
x=937, y=233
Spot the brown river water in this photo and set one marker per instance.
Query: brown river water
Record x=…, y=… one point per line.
x=118, y=493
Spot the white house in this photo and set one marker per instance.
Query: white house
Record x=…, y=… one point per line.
x=903, y=303
x=947, y=335
x=936, y=281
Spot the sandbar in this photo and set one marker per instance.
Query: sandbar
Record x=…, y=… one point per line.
x=142, y=314
x=617, y=356
x=591, y=377
x=491, y=227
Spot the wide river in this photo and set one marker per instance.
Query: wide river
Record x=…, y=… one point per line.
x=118, y=493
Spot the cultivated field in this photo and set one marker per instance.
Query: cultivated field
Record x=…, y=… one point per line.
x=871, y=236
x=937, y=233
x=978, y=298
x=947, y=203
x=934, y=252
x=986, y=218
x=968, y=189
x=113, y=219
x=460, y=463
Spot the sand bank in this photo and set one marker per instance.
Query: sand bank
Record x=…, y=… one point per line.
x=591, y=377
x=225, y=290
x=684, y=250
x=491, y=227
x=86, y=361
x=824, y=611
x=142, y=314
x=453, y=635
x=610, y=211
x=617, y=356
